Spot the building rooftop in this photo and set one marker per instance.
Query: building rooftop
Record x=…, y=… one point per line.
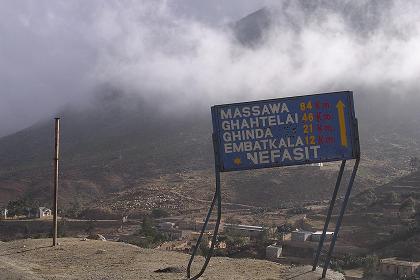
x=302, y=231
x=396, y=261
x=244, y=227
x=320, y=232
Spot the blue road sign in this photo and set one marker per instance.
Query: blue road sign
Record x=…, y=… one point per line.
x=286, y=131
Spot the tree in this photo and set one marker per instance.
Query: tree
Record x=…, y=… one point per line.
x=147, y=228
x=232, y=220
x=370, y=266
x=414, y=164
x=90, y=227
x=233, y=239
x=284, y=229
x=368, y=197
x=203, y=249
x=297, y=211
x=159, y=213
x=408, y=205
x=22, y=206
x=151, y=235
x=262, y=239
x=74, y=210
x=392, y=197
x=62, y=228
x=417, y=217
x=17, y=207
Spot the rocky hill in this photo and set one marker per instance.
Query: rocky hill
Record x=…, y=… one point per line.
x=121, y=144
x=387, y=218
x=76, y=259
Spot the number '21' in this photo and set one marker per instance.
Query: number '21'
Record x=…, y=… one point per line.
x=308, y=129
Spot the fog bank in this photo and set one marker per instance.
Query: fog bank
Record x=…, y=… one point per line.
x=55, y=53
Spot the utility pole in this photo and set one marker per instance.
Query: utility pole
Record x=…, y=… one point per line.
x=56, y=154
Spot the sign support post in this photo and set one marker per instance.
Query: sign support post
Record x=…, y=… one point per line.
x=55, y=202
x=217, y=197
x=340, y=217
x=327, y=221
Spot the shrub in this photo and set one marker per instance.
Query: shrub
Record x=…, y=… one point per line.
x=159, y=213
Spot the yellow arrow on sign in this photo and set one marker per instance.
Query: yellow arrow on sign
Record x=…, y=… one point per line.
x=341, y=119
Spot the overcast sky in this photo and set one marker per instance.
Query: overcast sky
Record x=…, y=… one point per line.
x=47, y=50
x=53, y=53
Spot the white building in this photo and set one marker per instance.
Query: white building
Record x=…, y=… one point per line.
x=393, y=267
x=273, y=252
x=169, y=230
x=301, y=235
x=40, y=212
x=44, y=212
x=317, y=165
x=245, y=230
x=166, y=226
x=316, y=236
x=3, y=213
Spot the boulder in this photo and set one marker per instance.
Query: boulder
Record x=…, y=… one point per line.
x=97, y=237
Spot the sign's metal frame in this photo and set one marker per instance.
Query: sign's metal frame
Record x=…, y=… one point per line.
x=340, y=217
x=217, y=195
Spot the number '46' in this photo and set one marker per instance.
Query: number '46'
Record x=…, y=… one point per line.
x=308, y=117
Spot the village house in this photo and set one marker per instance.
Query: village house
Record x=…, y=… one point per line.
x=193, y=237
x=166, y=226
x=245, y=230
x=44, y=212
x=301, y=235
x=316, y=236
x=218, y=245
x=392, y=267
x=169, y=230
x=40, y=213
x=178, y=245
x=187, y=242
x=197, y=225
x=3, y=214
x=273, y=252
x=317, y=166
x=302, y=246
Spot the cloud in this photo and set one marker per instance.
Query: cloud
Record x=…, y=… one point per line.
x=45, y=58
x=369, y=46
x=52, y=53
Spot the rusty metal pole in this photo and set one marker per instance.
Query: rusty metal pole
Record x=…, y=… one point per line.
x=55, y=203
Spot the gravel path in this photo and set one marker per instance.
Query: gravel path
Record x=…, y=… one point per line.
x=99, y=260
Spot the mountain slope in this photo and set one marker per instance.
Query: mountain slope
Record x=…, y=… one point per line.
x=120, y=143
x=123, y=142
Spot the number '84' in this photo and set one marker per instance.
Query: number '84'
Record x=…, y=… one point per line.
x=306, y=106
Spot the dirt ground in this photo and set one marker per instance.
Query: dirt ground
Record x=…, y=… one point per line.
x=34, y=259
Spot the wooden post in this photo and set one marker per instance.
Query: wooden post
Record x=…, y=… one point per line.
x=55, y=203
